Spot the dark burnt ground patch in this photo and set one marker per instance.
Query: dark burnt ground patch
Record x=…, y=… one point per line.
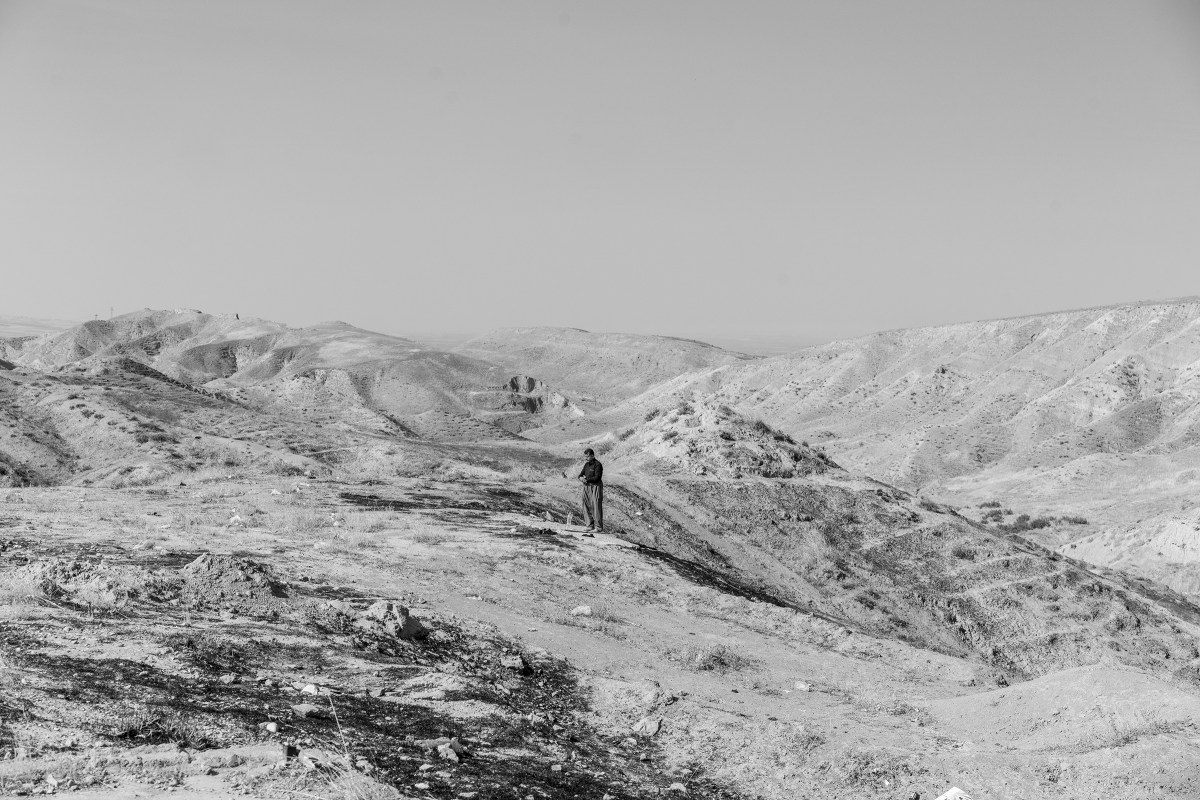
x=492, y=499
x=711, y=578
x=543, y=535
x=203, y=680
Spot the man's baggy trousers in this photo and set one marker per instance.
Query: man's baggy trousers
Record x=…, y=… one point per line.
x=593, y=505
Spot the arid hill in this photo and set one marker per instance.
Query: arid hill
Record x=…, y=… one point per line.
x=364, y=377
x=1092, y=414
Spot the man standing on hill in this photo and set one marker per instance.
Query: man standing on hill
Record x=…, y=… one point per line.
x=593, y=492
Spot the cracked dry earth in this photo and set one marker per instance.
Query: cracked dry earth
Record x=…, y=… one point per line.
x=272, y=637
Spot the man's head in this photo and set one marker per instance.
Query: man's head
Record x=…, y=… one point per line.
x=589, y=454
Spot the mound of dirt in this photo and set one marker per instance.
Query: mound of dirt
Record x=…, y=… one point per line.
x=230, y=580
x=708, y=439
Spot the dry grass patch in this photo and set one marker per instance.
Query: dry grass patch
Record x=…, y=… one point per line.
x=331, y=782
x=718, y=658
x=20, y=590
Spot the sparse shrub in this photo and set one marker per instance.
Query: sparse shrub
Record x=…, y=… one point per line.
x=725, y=411
x=669, y=435
x=990, y=504
x=306, y=520
x=758, y=426
x=965, y=552
x=351, y=539
x=929, y=505
x=1074, y=520
x=715, y=658
x=20, y=590
x=685, y=408
x=1125, y=732
x=726, y=435
x=625, y=434
x=1039, y=523
x=652, y=413
x=159, y=726
x=860, y=767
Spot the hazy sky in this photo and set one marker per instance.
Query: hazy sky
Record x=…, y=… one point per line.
x=800, y=169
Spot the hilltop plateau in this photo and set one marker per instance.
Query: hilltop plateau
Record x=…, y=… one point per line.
x=238, y=557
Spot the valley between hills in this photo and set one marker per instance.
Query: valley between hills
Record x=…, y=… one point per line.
x=241, y=558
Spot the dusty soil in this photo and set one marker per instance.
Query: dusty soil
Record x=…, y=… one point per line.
x=278, y=586
x=153, y=665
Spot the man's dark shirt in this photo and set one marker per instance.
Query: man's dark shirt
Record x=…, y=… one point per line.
x=592, y=472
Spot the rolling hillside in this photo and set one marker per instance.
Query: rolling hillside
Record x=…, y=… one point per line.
x=1092, y=413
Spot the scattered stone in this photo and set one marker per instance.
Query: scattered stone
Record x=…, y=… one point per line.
x=581, y=611
x=389, y=618
x=677, y=787
x=310, y=688
x=516, y=662
x=647, y=726
x=556, y=767
x=803, y=686
x=308, y=710
x=228, y=678
x=421, y=786
x=269, y=727
x=453, y=745
x=955, y=793
x=447, y=753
